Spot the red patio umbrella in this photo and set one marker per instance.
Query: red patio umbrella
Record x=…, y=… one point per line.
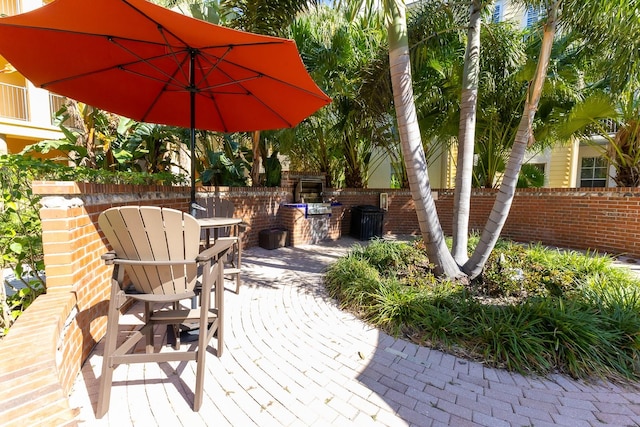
x=145, y=62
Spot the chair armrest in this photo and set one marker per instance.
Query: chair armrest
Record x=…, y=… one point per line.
x=153, y=262
x=220, y=246
x=108, y=257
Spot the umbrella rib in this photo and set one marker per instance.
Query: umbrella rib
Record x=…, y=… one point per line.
x=144, y=15
x=179, y=38
x=260, y=74
x=239, y=81
x=166, y=82
x=179, y=63
x=205, y=55
x=248, y=93
x=147, y=61
x=112, y=67
x=214, y=64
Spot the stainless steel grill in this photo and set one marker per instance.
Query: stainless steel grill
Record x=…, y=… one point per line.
x=311, y=193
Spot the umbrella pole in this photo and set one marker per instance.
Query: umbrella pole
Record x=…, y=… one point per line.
x=192, y=135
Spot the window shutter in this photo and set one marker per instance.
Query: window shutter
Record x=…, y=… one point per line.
x=532, y=16
x=497, y=12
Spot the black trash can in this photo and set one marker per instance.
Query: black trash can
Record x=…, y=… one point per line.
x=366, y=222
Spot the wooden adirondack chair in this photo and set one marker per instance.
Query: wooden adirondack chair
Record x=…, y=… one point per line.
x=158, y=249
x=225, y=208
x=221, y=208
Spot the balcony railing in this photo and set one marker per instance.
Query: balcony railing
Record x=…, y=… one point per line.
x=9, y=7
x=611, y=125
x=13, y=102
x=55, y=103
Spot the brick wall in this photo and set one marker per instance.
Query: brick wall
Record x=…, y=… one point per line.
x=597, y=219
x=44, y=350
x=42, y=354
x=258, y=207
x=604, y=220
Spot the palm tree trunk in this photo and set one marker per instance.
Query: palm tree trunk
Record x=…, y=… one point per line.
x=411, y=144
x=502, y=205
x=466, y=136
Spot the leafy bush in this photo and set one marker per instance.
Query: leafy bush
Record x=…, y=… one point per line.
x=534, y=309
x=20, y=228
x=20, y=240
x=97, y=139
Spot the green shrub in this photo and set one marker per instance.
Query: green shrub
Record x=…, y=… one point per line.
x=20, y=228
x=509, y=337
x=534, y=309
x=20, y=239
x=394, y=305
x=353, y=282
x=386, y=256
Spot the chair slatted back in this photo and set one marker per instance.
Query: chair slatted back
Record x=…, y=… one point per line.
x=225, y=209
x=148, y=233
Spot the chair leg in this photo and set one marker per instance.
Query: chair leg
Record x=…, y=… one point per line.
x=201, y=355
x=204, y=336
x=219, y=302
x=111, y=338
x=239, y=265
x=149, y=335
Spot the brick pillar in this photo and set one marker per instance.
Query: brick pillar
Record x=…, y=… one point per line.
x=72, y=248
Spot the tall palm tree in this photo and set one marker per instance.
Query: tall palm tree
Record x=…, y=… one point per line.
x=595, y=19
x=598, y=21
x=411, y=142
x=466, y=136
x=338, y=52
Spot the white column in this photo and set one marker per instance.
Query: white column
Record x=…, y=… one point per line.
x=3, y=144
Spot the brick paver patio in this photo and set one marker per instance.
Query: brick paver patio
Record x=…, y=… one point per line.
x=292, y=358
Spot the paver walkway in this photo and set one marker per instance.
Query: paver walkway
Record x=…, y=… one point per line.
x=292, y=358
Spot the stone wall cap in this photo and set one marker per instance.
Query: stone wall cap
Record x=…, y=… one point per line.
x=60, y=202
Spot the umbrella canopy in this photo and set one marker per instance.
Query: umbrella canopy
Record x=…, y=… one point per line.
x=145, y=62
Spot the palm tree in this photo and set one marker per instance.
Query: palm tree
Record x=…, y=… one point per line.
x=269, y=17
x=411, y=142
x=466, y=137
x=338, y=53
x=596, y=19
x=598, y=22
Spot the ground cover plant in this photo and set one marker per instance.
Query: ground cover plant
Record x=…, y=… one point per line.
x=533, y=310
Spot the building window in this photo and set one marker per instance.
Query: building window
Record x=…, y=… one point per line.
x=497, y=12
x=593, y=172
x=532, y=16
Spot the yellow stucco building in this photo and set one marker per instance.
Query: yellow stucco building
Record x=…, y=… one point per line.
x=25, y=111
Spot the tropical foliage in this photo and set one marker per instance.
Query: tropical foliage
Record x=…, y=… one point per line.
x=20, y=230
x=97, y=139
x=20, y=240
x=591, y=25
x=615, y=119
x=224, y=160
x=338, y=54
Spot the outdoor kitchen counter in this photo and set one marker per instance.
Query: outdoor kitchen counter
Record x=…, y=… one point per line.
x=309, y=223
